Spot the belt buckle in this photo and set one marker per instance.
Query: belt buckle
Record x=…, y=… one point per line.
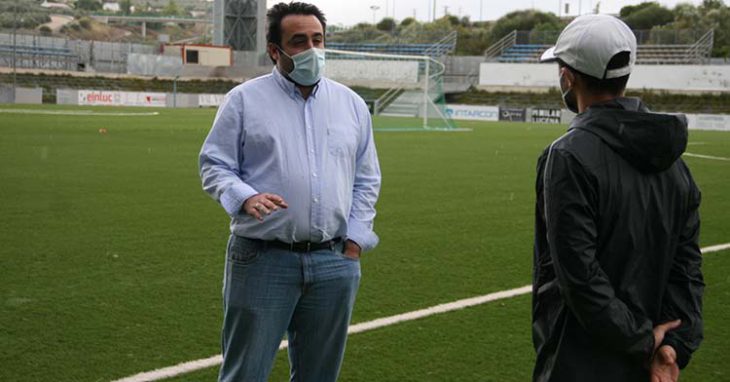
x=309, y=246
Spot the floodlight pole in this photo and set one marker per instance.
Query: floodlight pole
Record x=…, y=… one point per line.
x=560, y=8
x=374, y=8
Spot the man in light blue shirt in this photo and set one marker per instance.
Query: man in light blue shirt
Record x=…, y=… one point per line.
x=291, y=159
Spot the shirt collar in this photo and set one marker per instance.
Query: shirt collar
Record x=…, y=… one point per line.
x=289, y=87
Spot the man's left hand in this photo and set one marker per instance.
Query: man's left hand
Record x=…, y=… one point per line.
x=664, y=365
x=352, y=250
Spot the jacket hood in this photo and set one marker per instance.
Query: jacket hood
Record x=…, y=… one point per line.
x=651, y=142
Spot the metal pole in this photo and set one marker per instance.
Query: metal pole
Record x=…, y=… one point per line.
x=15, y=31
x=560, y=8
x=425, y=94
x=174, y=92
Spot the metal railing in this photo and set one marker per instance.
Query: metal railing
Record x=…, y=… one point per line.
x=702, y=49
x=506, y=42
x=685, y=46
x=444, y=46
x=384, y=100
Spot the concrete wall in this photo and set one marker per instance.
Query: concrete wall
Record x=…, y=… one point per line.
x=672, y=78
x=67, y=96
x=154, y=65
x=29, y=95
x=709, y=121
x=182, y=100
x=21, y=95
x=348, y=71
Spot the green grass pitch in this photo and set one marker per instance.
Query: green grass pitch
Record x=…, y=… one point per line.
x=111, y=255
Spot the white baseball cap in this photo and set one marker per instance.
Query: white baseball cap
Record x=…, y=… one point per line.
x=589, y=42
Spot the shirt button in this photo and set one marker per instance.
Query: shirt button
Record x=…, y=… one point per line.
x=314, y=174
x=315, y=200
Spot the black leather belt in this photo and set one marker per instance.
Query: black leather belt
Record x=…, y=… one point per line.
x=304, y=246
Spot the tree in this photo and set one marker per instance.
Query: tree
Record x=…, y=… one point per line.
x=686, y=16
x=453, y=20
x=125, y=7
x=387, y=25
x=171, y=9
x=407, y=21
x=88, y=5
x=630, y=9
x=715, y=15
x=524, y=20
x=646, y=15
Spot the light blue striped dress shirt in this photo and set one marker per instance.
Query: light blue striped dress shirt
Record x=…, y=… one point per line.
x=318, y=154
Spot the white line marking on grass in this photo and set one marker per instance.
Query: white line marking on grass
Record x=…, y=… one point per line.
x=199, y=364
x=705, y=156
x=715, y=248
x=695, y=143
x=80, y=112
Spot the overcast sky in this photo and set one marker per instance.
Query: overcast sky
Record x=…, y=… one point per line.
x=350, y=12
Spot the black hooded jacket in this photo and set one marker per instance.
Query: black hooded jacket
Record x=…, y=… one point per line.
x=616, y=246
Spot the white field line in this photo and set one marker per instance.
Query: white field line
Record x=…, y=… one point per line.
x=80, y=112
x=705, y=156
x=199, y=364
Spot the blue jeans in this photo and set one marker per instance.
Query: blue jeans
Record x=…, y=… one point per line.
x=270, y=291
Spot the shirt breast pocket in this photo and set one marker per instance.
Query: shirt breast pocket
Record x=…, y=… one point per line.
x=342, y=143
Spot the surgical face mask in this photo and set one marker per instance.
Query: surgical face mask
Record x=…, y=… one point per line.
x=569, y=98
x=308, y=66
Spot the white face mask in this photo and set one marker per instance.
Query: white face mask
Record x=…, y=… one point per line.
x=308, y=66
x=569, y=97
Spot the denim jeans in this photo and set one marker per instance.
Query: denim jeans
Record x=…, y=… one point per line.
x=270, y=291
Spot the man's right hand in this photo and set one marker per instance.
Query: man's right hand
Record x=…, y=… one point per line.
x=661, y=330
x=264, y=204
x=664, y=365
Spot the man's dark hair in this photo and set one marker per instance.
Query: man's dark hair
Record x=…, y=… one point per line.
x=613, y=86
x=281, y=10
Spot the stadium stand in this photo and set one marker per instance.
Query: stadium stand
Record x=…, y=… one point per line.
x=439, y=48
x=524, y=47
x=38, y=57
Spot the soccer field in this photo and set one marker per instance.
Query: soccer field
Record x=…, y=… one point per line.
x=111, y=255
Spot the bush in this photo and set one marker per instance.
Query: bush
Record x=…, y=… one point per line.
x=45, y=30
x=85, y=22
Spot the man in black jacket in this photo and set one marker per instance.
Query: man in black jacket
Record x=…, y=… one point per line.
x=617, y=289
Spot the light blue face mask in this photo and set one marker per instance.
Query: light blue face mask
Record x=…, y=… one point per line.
x=308, y=66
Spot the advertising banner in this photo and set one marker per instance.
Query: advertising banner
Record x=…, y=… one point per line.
x=709, y=121
x=210, y=99
x=117, y=98
x=546, y=115
x=513, y=114
x=473, y=112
